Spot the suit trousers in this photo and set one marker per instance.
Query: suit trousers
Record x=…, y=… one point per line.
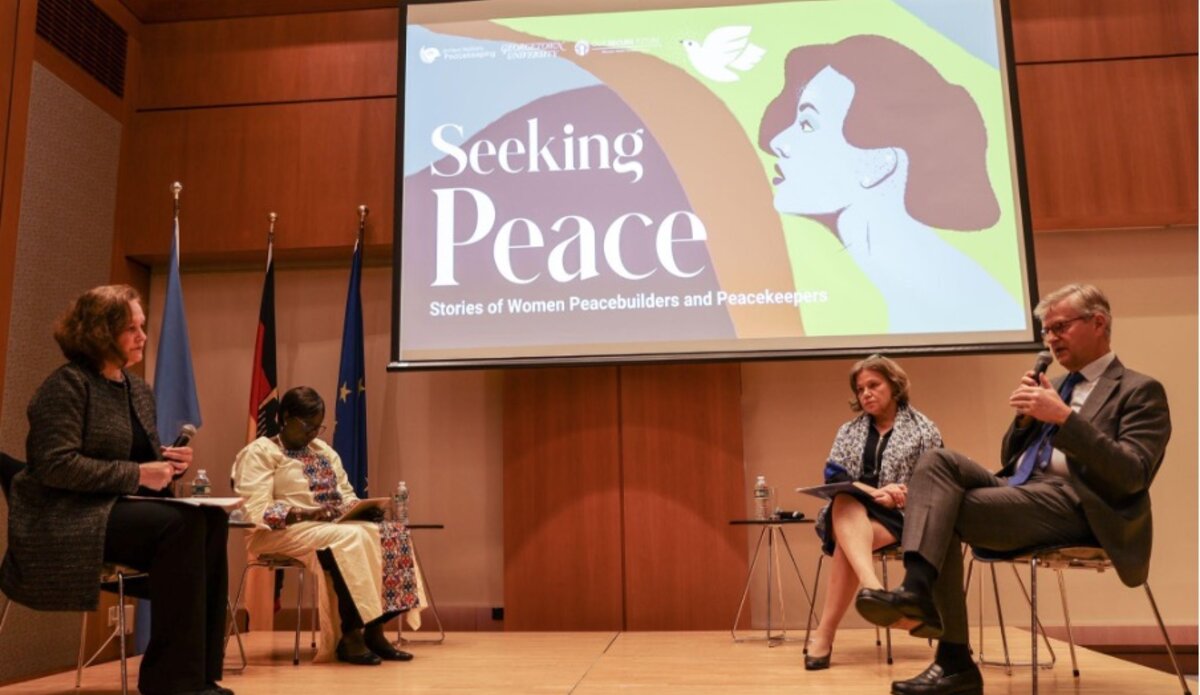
x=184, y=550
x=952, y=500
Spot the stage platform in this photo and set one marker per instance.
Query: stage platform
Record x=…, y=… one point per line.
x=588, y=663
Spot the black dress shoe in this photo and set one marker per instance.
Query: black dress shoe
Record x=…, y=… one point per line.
x=817, y=663
x=934, y=681
x=218, y=689
x=387, y=652
x=365, y=657
x=886, y=608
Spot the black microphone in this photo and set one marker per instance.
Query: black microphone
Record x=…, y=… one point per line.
x=189, y=430
x=1044, y=358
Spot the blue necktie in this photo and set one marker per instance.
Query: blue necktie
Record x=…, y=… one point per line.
x=1042, y=447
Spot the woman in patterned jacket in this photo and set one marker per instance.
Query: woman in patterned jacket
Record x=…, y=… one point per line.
x=876, y=450
x=294, y=486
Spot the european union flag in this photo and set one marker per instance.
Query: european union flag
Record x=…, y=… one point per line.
x=350, y=412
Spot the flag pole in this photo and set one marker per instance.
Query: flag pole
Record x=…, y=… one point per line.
x=176, y=189
x=363, y=211
x=271, y=217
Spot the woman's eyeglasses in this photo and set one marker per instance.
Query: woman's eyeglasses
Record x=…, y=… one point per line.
x=310, y=430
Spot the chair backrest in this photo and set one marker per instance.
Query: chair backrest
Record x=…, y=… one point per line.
x=9, y=468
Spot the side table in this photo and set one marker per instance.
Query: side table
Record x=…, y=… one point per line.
x=400, y=638
x=771, y=530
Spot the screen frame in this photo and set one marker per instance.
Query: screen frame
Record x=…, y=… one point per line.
x=1000, y=7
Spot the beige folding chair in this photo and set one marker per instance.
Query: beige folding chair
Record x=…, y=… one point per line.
x=282, y=562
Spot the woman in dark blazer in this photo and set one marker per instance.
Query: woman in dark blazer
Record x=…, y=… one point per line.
x=92, y=440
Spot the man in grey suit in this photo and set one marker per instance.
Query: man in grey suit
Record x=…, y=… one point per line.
x=1078, y=462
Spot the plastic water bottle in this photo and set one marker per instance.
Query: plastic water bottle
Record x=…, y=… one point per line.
x=762, y=499
x=400, y=504
x=201, y=486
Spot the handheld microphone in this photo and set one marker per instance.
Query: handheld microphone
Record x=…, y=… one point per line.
x=1044, y=358
x=187, y=432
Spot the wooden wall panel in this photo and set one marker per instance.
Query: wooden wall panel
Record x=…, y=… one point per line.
x=1110, y=143
x=684, y=480
x=562, y=500
x=1066, y=30
x=312, y=163
x=271, y=59
x=17, y=20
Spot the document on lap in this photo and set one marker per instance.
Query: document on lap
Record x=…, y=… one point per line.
x=227, y=503
x=830, y=490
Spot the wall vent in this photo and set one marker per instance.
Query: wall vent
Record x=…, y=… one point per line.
x=90, y=38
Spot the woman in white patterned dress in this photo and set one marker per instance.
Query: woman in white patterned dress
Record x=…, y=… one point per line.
x=294, y=485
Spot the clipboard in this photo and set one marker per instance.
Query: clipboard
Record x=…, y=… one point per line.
x=830, y=490
x=361, y=507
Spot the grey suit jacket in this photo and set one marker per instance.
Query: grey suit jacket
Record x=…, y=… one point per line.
x=78, y=447
x=1114, y=446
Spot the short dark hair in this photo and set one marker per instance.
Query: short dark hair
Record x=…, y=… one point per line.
x=300, y=402
x=87, y=333
x=886, y=368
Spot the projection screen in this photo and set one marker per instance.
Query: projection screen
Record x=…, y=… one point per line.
x=606, y=181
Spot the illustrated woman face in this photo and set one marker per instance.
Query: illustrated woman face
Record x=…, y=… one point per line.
x=820, y=173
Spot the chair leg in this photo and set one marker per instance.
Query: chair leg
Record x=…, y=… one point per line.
x=82, y=646
x=1166, y=639
x=1062, y=592
x=1000, y=618
x=121, y=627
x=812, y=601
x=1033, y=623
x=887, y=630
x=299, y=618
x=237, y=635
x=312, y=616
x=1041, y=628
x=4, y=615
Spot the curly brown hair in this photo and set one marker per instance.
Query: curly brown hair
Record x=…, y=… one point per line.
x=888, y=369
x=87, y=333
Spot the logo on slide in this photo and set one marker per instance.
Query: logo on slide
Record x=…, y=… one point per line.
x=582, y=48
x=429, y=54
x=724, y=50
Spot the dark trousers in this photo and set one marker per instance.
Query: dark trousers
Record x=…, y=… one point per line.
x=347, y=611
x=952, y=499
x=184, y=550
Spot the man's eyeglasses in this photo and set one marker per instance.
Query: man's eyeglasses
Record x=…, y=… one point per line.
x=1060, y=327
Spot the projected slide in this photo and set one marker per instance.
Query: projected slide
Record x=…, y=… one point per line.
x=776, y=177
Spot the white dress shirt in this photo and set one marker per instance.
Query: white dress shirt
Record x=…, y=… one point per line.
x=1083, y=389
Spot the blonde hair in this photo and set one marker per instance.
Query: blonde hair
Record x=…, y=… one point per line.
x=891, y=373
x=1088, y=299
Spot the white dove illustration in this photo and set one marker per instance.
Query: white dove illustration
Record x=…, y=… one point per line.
x=724, y=50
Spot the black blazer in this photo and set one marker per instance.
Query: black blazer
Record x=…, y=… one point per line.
x=80, y=435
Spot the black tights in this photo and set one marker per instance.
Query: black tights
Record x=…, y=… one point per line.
x=347, y=611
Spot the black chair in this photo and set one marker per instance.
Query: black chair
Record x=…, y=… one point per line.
x=110, y=576
x=1059, y=558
